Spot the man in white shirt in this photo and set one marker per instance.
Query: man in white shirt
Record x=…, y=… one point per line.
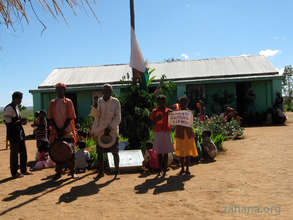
x=107, y=124
x=16, y=136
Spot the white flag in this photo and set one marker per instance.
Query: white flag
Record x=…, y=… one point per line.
x=136, y=58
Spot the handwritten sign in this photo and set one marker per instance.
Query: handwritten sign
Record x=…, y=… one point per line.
x=183, y=118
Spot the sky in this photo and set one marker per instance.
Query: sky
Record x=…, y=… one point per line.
x=185, y=29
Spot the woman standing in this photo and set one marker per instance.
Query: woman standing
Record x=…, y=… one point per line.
x=184, y=141
x=162, y=133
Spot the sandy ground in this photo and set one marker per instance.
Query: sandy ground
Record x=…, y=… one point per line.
x=253, y=179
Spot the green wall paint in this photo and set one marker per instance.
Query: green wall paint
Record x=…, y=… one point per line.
x=276, y=87
x=263, y=99
x=84, y=101
x=37, y=102
x=116, y=91
x=46, y=99
x=213, y=90
x=181, y=90
x=265, y=90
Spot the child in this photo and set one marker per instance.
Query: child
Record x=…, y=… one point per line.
x=44, y=160
x=41, y=130
x=208, y=147
x=151, y=161
x=82, y=158
x=184, y=141
x=36, y=122
x=80, y=134
x=162, y=133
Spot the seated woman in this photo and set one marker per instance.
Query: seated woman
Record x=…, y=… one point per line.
x=230, y=114
x=278, y=115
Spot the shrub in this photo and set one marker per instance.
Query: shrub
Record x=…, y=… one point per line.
x=217, y=125
x=86, y=125
x=220, y=129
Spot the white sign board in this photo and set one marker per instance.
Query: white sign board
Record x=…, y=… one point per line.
x=128, y=158
x=183, y=118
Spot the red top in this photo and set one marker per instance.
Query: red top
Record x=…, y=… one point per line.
x=163, y=124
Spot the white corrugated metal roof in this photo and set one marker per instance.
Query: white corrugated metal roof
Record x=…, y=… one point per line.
x=190, y=69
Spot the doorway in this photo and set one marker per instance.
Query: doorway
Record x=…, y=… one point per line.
x=241, y=91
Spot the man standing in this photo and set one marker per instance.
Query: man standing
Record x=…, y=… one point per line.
x=61, y=117
x=107, y=124
x=16, y=136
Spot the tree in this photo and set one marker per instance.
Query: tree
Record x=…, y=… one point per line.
x=15, y=10
x=170, y=60
x=287, y=84
x=136, y=106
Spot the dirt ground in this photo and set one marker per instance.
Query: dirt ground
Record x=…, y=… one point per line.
x=253, y=179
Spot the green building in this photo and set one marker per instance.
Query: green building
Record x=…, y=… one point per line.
x=218, y=82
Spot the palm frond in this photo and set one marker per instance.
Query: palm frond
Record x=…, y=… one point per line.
x=12, y=11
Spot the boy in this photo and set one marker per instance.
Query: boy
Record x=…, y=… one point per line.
x=82, y=158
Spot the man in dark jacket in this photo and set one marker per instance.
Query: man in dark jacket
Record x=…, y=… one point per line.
x=16, y=136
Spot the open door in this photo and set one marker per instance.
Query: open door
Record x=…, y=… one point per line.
x=241, y=91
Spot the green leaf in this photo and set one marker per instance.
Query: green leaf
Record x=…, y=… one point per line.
x=150, y=80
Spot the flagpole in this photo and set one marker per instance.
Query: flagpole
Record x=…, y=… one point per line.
x=132, y=25
x=132, y=16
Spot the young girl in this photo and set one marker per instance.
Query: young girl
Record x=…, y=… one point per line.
x=44, y=160
x=151, y=162
x=162, y=133
x=184, y=141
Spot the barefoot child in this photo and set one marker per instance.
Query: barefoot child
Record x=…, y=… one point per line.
x=150, y=162
x=41, y=130
x=162, y=133
x=185, y=147
x=82, y=158
x=44, y=160
x=209, y=148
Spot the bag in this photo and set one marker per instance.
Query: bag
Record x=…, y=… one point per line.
x=154, y=160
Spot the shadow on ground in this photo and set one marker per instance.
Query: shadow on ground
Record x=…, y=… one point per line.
x=88, y=189
x=174, y=183
x=37, y=189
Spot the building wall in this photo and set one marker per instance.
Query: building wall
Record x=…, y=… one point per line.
x=265, y=94
x=84, y=102
x=215, y=97
x=276, y=87
x=37, y=101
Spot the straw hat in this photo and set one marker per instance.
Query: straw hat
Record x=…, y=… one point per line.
x=106, y=141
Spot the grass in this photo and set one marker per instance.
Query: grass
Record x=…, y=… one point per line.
x=28, y=113
x=288, y=107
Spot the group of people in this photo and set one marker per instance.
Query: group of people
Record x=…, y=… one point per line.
x=60, y=128
x=185, y=147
